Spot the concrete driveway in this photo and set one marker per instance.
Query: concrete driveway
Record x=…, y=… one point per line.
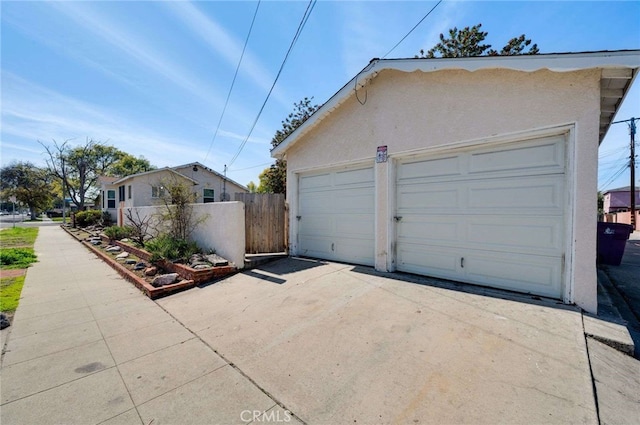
x=334, y=343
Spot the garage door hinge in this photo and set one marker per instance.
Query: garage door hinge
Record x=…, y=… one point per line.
x=397, y=218
x=298, y=217
x=462, y=262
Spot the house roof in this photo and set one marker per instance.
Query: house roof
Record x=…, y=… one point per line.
x=198, y=164
x=118, y=180
x=158, y=170
x=619, y=68
x=622, y=189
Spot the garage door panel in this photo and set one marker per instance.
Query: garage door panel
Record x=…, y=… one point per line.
x=315, y=246
x=315, y=181
x=358, y=225
x=518, y=194
x=362, y=176
x=546, y=155
x=429, y=230
x=316, y=203
x=357, y=251
x=438, y=167
x=531, y=274
x=317, y=225
x=522, y=234
x=428, y=198
x=420, y=259
x=353, y=201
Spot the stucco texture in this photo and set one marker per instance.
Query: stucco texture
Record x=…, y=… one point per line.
x=423, y=111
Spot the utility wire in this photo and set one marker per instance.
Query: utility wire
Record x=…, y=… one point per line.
x=233, y=82
x=248, y=168
x=616, y=175
x=301, y=26
x=411, y=30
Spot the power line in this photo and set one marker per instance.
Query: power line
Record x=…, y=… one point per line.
x=253, y=166
x=411, y=30
x=233, y=82
x=616, y=175
x=301, y=26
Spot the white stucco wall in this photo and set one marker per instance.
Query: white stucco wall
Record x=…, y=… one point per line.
x=418, y=112
x=222, y=228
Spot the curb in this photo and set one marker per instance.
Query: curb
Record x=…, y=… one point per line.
x=608, y=326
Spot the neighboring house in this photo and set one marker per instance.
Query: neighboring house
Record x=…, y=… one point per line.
x=616, y=200
x=480, y=170
x=146, y=189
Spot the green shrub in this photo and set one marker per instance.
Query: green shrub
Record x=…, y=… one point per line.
x=117, y=232
x=169, y=248
x=88, y=218
x=17, y=258
x=106, y=218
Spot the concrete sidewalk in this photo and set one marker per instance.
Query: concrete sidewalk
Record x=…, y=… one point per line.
x=86, y=347
x=331, y=343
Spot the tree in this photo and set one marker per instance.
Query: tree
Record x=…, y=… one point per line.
x=78, y=168
x=274, y=178
x=468, y=42
x=252, y=187
x=178, y=215
x=30, y=185
x=128, y=164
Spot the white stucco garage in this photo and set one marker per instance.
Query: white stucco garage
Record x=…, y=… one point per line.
x=481, y=170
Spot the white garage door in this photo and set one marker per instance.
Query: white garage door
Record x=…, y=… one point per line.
x=336, y=215
x=492, y=216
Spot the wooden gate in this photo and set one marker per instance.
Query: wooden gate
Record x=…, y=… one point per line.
x=266, y=219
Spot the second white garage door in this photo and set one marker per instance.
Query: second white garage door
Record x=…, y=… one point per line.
x=336, y=215
x=491, y=216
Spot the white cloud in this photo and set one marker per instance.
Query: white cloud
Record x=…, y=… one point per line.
x=32, y=112
x=136, y=48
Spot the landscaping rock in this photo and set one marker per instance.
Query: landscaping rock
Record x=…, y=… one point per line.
x=122, y=256
x=140, y=266
x=164, y=279
x=113, y=249
x=217, y=260
x=151, y=271
x=125, y=240
x=131, y=261
x=4, y=321
x=201, y=266
x=96, y=242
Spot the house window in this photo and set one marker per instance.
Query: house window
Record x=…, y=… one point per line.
x=208, y=196
x=157, y=191
x=121, y=193
x=111, y=198
x=129, y=192
x=103, y=200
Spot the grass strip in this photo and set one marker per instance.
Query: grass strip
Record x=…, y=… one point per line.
x=18, y=237
x=10, y=289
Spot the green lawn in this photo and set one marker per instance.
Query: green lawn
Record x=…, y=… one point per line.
x=18, y=237
x=10, y=289
x=16, y=252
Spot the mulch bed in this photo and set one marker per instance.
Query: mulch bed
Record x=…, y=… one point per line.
x=12, y=273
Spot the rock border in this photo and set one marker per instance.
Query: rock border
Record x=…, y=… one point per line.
x=193, y=277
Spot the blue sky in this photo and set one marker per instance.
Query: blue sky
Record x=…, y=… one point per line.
x=151, y=78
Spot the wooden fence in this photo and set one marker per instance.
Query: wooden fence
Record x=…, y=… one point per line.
x=266, y=222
